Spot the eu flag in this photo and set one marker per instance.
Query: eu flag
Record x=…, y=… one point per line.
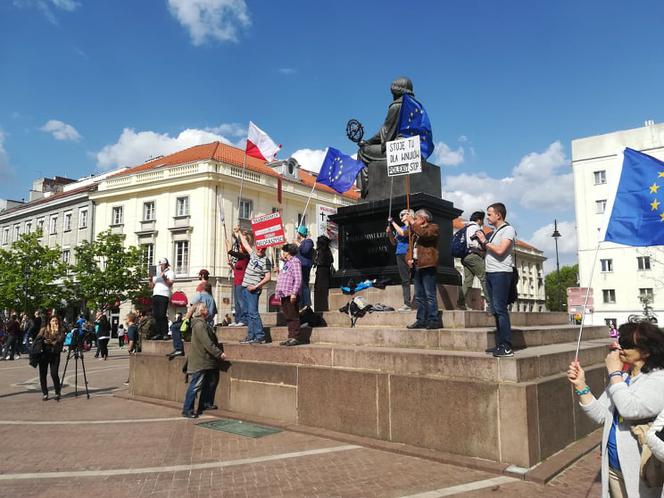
x=637, y=218
x=339, y=170
x=414, y=120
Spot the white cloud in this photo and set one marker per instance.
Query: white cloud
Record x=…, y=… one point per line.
x=61, y=130
x=134, y=148
x=230, y=129
x=444, y=155
x=287, y=71
x=310, y=159
x=45, y=7
x=567, y=248
x=211, y=19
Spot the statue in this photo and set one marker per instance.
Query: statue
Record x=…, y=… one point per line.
x=373, y=149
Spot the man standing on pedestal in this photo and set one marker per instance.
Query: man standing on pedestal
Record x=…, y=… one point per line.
x=161, y=293
x=499, y=262
x=473, y=262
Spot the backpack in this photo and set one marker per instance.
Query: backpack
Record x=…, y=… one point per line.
x=459, y=244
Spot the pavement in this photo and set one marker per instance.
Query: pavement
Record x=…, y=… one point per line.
x=108, y=446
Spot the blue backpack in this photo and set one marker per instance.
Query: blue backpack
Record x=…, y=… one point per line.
x=459, y=244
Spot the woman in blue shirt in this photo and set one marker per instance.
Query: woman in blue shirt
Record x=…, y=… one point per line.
x=398, y=235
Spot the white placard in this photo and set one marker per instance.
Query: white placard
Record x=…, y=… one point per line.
x=325, y=226
x=403, y=156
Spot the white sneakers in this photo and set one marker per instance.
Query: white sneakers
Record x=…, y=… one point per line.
x=238, y=324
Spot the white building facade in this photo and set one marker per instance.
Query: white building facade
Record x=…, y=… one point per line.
x=622, y=273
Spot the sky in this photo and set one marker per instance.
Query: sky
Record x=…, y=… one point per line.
x=88, y=86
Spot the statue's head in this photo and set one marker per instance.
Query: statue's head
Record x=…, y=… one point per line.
x=400, y=86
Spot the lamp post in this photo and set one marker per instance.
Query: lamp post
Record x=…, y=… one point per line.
x=556, y=235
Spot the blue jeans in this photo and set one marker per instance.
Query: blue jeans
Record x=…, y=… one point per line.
x=425, y=295
x=498, y=285
x=305, y=293
x=240, y=305
x=197, y=384
x=177, y=339
x=254, y=323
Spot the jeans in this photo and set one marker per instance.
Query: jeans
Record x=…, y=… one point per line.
x=254, y=323
x=498, y=284
x=177, y=339
x=159, y=310
x=404, y=274
x=205, y=382
x=13, y=346
x=240, y=305
x=425, y=295
x=52, y=361
x=473, y=265
x=209, y=388
x=305, y=292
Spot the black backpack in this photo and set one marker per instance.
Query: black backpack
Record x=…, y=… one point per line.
x=459, y=243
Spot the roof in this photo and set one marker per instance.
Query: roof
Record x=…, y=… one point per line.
x=228, y=154
x=50, y=198
x=459, y=222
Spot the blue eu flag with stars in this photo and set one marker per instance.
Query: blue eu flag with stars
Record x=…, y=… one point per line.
x=414, y=120
x=339, y=170
x=637, y=217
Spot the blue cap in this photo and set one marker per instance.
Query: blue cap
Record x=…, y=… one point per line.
x=302, y=230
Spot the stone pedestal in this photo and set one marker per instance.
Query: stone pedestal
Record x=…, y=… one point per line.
x=428, y=181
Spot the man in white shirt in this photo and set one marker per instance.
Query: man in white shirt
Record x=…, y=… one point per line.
x=473, y=262
x=161, y=285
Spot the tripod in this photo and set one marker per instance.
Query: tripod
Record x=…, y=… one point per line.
x=76, y=352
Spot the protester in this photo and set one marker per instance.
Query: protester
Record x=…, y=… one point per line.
x=26, y=327
x=239, y=259
x=632, y=398
x=52, y=337
x=103, y=335
x=323, y=262
x=13, y=330
x=204, y=296
x=202, y=364
x=257, y=274
x=398, y=236
x=204, y=277
x=306, y=256
x=161, y=293
x=121, y=336
x=287, y=291
x=473, y=262
x=499, y=262
x=424, y=259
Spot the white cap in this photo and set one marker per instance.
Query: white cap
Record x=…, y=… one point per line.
x=163, y=261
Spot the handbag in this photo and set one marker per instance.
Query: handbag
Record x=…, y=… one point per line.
x=274, y=300
x=651, y=469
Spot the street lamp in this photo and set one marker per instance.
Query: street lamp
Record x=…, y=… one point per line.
x=556, y=235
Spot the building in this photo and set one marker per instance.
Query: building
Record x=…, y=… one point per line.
x=529, y=261
x=621, y=273
x=183, y=207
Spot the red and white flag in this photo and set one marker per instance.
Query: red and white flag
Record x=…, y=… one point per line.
x=260, y=145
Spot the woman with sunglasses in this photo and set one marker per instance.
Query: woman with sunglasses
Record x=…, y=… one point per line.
x=398, y=236
x=634, y=396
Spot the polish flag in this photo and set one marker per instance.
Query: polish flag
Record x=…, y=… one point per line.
x=260, y=145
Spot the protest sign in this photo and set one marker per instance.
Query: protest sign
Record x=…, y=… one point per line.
x=404, y=156
x=268, y=230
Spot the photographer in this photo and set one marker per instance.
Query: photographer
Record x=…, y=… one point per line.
x=161, y=293
x=473, y=262
x=398, y=236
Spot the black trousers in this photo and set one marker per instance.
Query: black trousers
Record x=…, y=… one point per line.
x=159, y=310
x=52, y=361
x=103, y=347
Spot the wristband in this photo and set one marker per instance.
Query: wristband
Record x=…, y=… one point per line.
x=615, y=373
x=583, y=391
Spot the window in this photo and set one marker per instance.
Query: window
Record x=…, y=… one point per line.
x=600, y=206
x=246, y=208
x=646, y=292
x=67, y=227
x=643, y=262
x=52, y=227
x=181, y=257
x=28, y=227
x=600, y=177
x=66, y=254
x=301, y=220
x=610, y=321
x=17, y=232
x=148, y=255
x=182, y=206
x=607, y=265
x=40, y=225
x=5, y=236
x=148, y=211
x=116, y=218
x=609, y=295
x=83, y=218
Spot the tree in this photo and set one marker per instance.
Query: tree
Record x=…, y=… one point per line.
x=32, y=276
x=556, y=292
x=107, y=273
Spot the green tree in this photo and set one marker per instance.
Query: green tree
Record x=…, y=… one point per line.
x=32, y=276
x=107, y=272
x=556, y=291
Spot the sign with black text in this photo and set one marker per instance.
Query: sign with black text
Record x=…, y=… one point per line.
x=403, y=156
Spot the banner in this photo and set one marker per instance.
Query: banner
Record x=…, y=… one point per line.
x=268, y=230
x=325, y=226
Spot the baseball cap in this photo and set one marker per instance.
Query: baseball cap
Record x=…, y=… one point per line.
x=303, y=231
x=163, y=261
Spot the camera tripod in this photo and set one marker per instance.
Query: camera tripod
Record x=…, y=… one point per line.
x=76, y=352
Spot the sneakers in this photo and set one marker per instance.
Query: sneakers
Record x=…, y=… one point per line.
x=237, y=324
x=503, y=352
x=257, y=341
x=434, y=325
x=246, y=340
x=404, y=307
x=290, y=342
x=189, y=414
x=177, y=352
x=416, y=325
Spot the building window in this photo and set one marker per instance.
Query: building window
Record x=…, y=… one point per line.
x=40, y=225
x=646, y=292
x=600, y=206
x=610, y=322
x=52, y=227
x=17, y=232
x=67, y=227
x=607, y=264
x=83, y=218
x=246, y=208
x=301, y=220
x=148, y=255
x=600, y=177
x=182, y=206
x=66, y=255
x=643, y=262
x=609, y=296
x=116, y=218
x=148, y=211
x=28, y=227
x=5, y=236
x=181, y=257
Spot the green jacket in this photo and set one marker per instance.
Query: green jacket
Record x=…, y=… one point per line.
x=205, y=348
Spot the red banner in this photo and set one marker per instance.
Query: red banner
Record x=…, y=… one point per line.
x=268, y=230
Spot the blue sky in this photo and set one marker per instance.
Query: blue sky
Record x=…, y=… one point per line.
x=86, y=86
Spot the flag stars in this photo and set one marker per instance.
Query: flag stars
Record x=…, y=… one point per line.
x=661, y=174
x=654, y=188
x=661, y=216
x=654, y=205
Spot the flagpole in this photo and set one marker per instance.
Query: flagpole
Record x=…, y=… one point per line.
x=304, y=214
x=410, y=232
x=239, y=198
x=585, y=302
x=389, y=209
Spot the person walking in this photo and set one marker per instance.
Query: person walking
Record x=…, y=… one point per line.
x=633, y=397
x=287, y=291
x=52, y=337
x=13, y=330
x=121, y=336
x=499, y=273
x=473, y=262
x=306, y=256
x=323, y=262
x=103, y=335
x=205, y=353
x=398, y=237
x=161, y=286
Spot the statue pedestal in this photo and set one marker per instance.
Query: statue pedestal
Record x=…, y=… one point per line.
x=428, y=181
x=366, y=252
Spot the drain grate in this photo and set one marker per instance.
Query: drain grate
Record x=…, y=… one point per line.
x=246, y=429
